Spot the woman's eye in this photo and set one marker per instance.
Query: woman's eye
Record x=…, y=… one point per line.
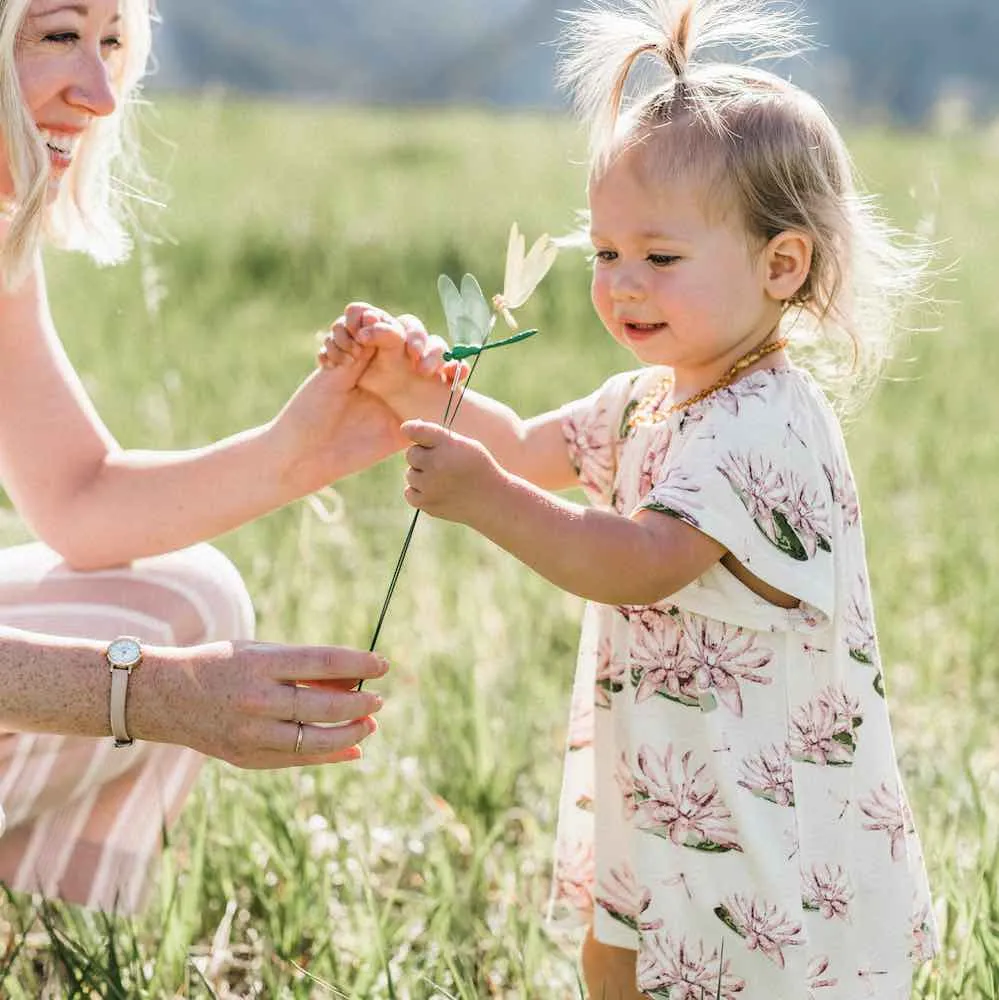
x=661, y=259
x=114, y=42
x=63, y=37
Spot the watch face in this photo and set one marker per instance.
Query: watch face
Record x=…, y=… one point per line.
x=124, y=652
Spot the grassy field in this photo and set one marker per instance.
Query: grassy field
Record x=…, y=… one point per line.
x=423, y=871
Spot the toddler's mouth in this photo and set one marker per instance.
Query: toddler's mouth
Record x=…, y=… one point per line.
x=640, y=328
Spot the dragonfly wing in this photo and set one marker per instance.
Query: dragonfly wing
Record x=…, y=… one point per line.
x=514, y=263
x=536, y=265
x=454, y=309
x=476, y=309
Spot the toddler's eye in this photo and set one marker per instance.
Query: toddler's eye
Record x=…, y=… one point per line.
x=602, y=256
x=661, y=259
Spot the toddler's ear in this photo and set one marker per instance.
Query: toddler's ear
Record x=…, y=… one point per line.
x=787, y=261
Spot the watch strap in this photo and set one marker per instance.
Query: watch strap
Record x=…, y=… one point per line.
x=119, y=691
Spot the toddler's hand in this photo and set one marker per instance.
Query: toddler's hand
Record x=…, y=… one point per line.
x=449, y=475
x=404, y=352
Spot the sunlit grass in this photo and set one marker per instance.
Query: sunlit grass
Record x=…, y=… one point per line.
x=423, y=871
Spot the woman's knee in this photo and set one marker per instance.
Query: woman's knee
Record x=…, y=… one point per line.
x=210, y=583
x=180, y=598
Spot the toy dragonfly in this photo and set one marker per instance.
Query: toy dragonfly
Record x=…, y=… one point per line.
x=470, y=321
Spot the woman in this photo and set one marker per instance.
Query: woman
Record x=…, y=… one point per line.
x=84, y=817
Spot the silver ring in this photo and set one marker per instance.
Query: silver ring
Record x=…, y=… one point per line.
x=298, y=739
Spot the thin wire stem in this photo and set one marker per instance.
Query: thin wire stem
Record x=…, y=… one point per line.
x=446, y=421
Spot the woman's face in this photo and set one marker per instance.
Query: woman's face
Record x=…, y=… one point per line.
x=64, y=53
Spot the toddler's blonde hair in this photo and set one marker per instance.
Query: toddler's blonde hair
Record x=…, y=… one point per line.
x=89, y=212
x=767, y=148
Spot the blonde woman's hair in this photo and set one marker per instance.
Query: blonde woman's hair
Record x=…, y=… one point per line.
x=89, y=212
x=768, y=150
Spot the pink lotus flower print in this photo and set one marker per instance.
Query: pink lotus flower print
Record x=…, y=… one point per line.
x=827, y=890
x=859, y=618
x=768, y=776
x=591, y=453
x=681, y=803
x=697, y=662
x=674, y=969
x=721, y=656
x=818, y=978
x=575, y=871
x=652, y=463
x=581, y=719
x=762, y=927
x=788, y=513
x=625, y=781
x=657, y=667
x=825, y=730
x=844, y=493
x=889, y=813
x=611, y=675
x=758, y=485
x=625, y=900
x=807, y=515
x=673, y=494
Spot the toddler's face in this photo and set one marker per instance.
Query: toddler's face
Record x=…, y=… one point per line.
x=676, y=283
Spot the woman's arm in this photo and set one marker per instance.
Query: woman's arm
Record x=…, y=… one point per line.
x=595, y=554
x=97, y=504
x=238, y=701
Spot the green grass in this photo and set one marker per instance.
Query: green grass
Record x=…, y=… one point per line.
x=423, y=871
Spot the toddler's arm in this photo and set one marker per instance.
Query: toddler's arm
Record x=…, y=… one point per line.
x=599, y=555
x=532, y=449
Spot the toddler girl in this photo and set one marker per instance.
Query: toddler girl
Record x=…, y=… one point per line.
x=732, y=820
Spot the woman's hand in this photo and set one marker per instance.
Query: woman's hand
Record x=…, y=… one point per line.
x=449, y=476
x=331, y=428
x=243, y=701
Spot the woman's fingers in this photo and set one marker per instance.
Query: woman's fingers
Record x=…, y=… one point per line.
x=321, y=663
x=312, y=704
x=278, y=745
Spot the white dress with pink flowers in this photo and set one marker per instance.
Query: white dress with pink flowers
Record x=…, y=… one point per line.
x=732, y=807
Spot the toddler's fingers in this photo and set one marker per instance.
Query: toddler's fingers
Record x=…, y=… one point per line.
x=341, y=337
x=329, y=355
x=417, y=458
x=413, y=497
x=383, y=335
x=424, y=433
x=432, y=357
x=356, y=313
x=454, y=371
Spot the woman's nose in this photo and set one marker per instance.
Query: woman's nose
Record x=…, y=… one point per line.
x=91, y=91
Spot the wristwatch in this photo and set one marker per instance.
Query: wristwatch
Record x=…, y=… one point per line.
x=124, y=654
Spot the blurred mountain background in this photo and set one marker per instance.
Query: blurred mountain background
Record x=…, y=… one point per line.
x=907, y=60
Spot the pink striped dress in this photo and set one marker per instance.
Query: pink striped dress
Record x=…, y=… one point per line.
x=85, y=822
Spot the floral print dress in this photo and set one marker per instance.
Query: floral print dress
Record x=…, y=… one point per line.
x=731, y=807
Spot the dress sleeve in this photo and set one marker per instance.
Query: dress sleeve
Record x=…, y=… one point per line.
x=593, y=428
x=747, y=471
